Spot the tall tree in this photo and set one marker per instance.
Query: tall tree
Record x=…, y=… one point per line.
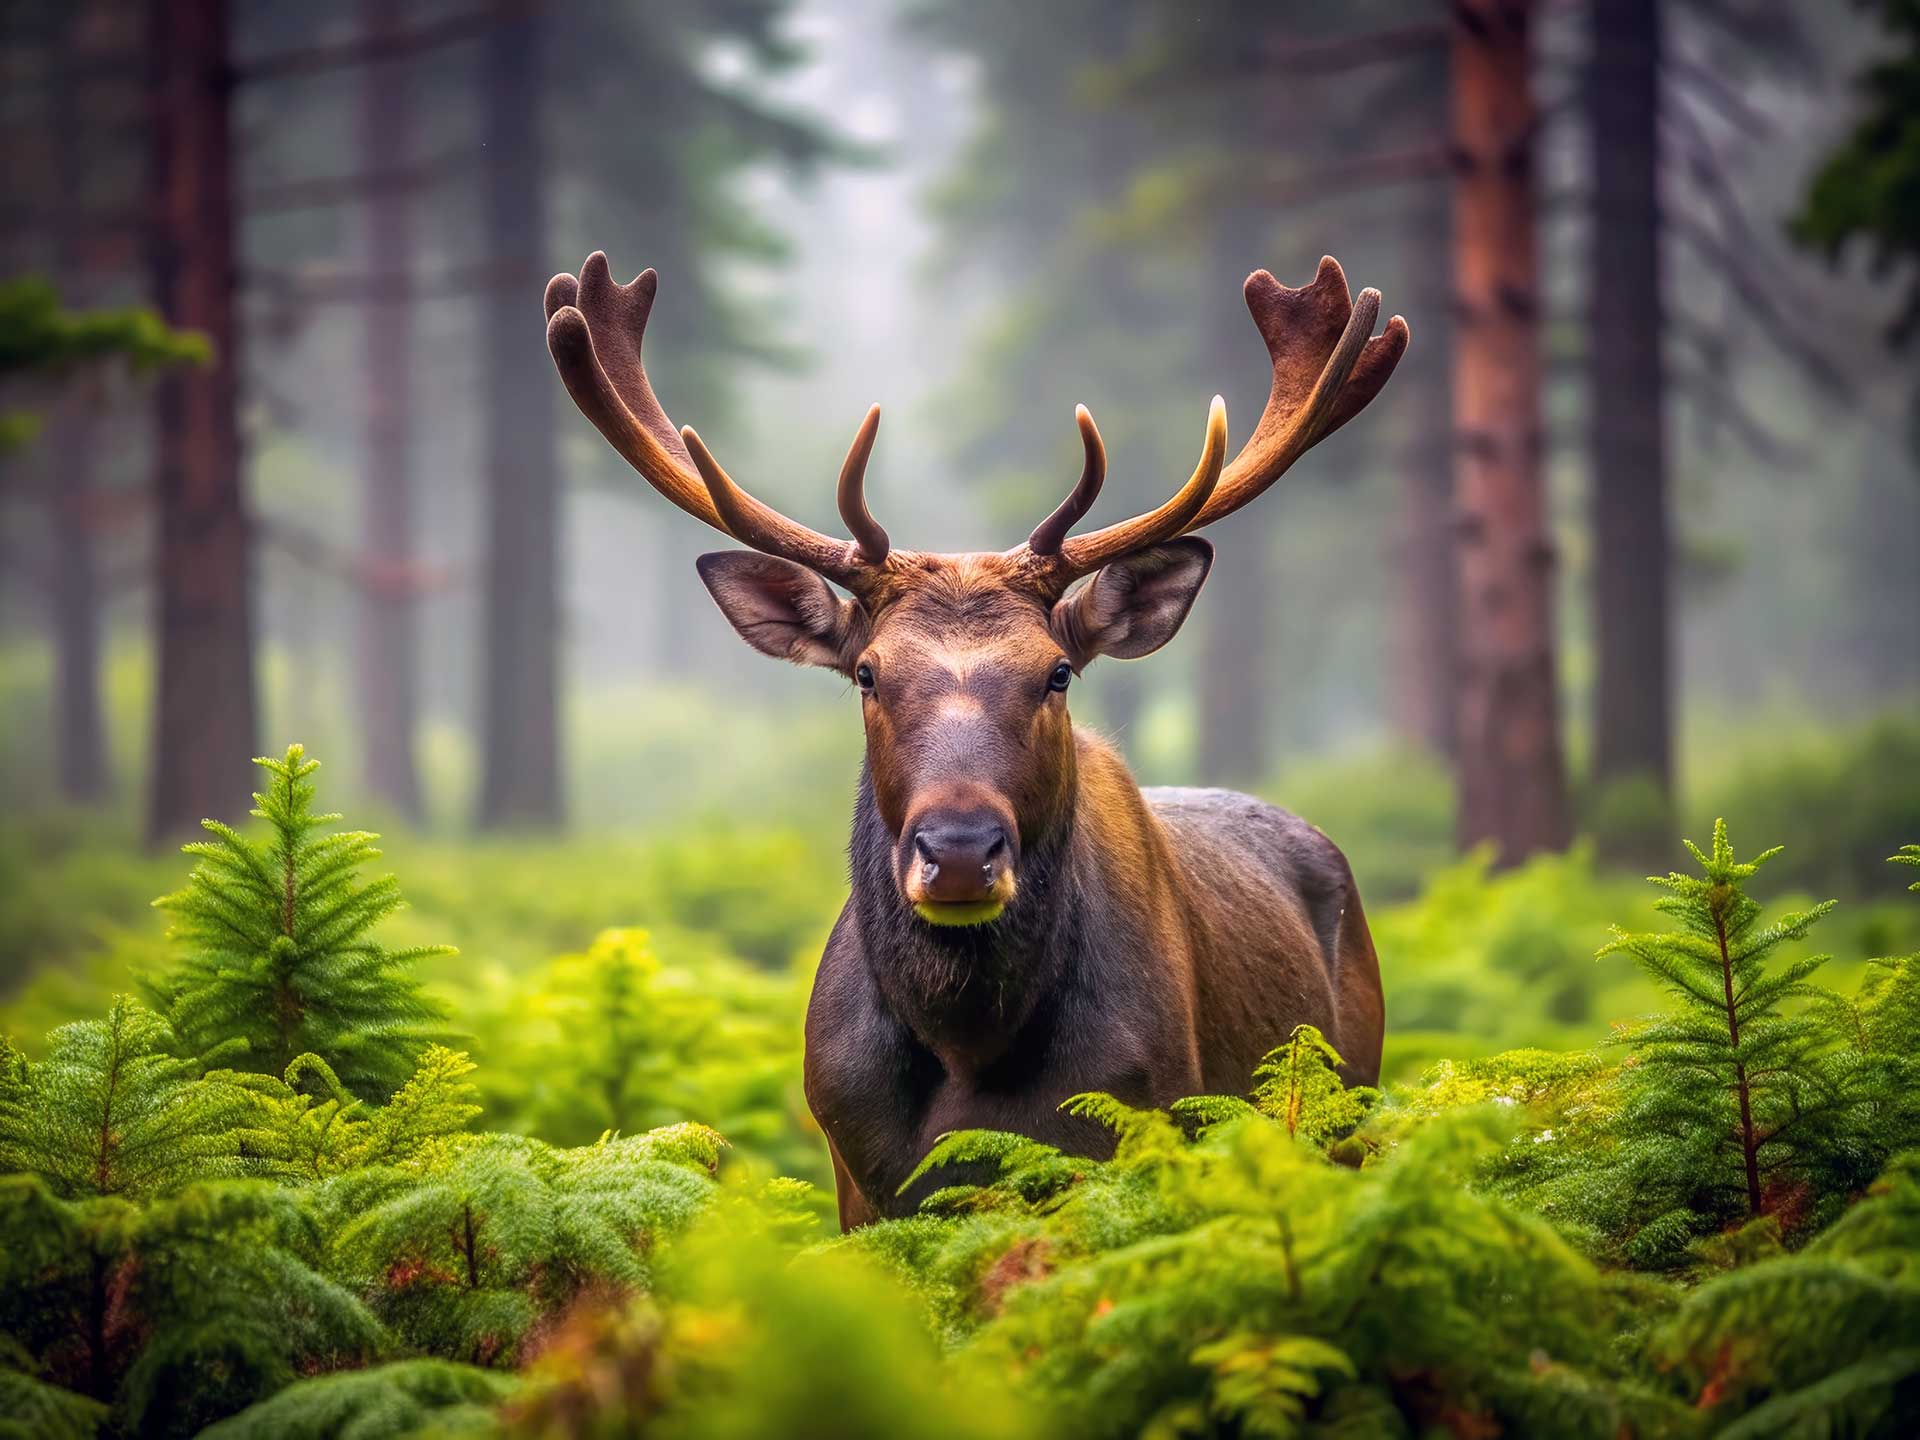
x=1512, y=774
x=1426, y=664
x=657, y=190
x=1632, y=573
x=79, y=726
x=388, y=647
x=520, y=721
x=1867, y=192
x=204, y=717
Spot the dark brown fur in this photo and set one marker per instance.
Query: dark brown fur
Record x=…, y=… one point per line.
x=1025, y=922
x=1158, y=944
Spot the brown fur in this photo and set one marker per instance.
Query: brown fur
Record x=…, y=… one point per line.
x=1025, y=922
x=1158, y=943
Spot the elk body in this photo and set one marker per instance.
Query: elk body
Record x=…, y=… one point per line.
x=1025, y=923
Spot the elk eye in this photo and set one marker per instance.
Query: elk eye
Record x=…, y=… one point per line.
x=1061, y=678
x=863, y=676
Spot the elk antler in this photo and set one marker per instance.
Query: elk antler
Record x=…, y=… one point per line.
x=1325, y=370
x=594, y=332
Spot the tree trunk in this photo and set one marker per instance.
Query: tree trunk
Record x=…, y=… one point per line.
x=388, y=649
x=79, y=732
x=1512, y=776
x=1232, y=693
x=1426, y=689
x=521, y=780
x=1632, y=560
x=1235, y=711
x=204, y=729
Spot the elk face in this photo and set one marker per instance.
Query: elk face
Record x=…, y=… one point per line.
x=962, y=664
x=962, y=661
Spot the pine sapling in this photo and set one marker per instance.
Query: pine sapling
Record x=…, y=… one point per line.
x=113, y=1110
x=278, y=947
x=1732, y=1069
x=1299, y=1085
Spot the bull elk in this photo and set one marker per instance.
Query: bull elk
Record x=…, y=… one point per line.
x=1025, y=921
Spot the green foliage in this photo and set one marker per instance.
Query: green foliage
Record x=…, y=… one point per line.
x=112, y=1111
x=465, y=1251
x=613, y=1039
x=282, y=1252
x=1819, y=1339
x=1732, y=1077
x=1869, y=188
x=385, y=1402
x=279, y=957
x=314, y=1128
x=177, y=1311
x=1227, y=1284
x=746, y=1339
x=38, y=337
x=1485, y=961
x=1845, y=795
x=1299, y=1086
x=36, y=334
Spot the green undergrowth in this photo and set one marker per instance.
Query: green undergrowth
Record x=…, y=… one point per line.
x=293, y=1183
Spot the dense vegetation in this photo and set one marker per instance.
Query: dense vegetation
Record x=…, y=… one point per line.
x=258, y=1199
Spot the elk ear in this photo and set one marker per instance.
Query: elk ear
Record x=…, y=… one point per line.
x=1135, y=605
x=783, y=609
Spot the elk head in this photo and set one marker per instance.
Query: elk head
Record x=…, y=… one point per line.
x=963, y=661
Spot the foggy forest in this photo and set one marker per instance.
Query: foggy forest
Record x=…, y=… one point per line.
x=509, y=1119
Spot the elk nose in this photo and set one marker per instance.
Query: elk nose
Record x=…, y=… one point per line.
x=959, y=859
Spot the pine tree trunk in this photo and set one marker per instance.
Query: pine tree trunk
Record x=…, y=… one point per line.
x=1426, y=685
x=388, y=649
x=1512, y=776
x=79, y=730
x=1235, y=713
x=204, y=730
x=1233, y=699
x=521, y=778
x=1632, y=560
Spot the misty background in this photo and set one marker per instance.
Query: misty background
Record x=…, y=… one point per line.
x=976, y=215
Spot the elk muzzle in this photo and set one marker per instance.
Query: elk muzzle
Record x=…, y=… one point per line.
x=957, y=862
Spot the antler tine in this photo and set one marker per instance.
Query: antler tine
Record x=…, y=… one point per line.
x=595, y=329
x=594, y=333
x=1325, y=370
x=1083, y=554
x=1050, y=532
x=759, y=525
x=867, y=534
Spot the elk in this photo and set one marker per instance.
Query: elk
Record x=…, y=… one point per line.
x=1025, y=922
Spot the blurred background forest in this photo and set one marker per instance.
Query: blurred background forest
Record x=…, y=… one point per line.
x=1629, y=542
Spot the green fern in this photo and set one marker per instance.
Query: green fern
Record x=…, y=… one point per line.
x=277, y=948
x=318, y=1129
x=464, y=1249
x=387, y=1402
x=176, y=1312
x=1299, y=1085
x=1814, y=1334
x=113, y=1111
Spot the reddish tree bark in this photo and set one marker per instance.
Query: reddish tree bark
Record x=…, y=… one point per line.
x=1633, y=721
x=1426, y=676
x=388, y=648
x=1512, y=775
x=204, y=731
x=520, y=782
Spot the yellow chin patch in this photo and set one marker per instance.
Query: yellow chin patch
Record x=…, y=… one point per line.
x=976, y=912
